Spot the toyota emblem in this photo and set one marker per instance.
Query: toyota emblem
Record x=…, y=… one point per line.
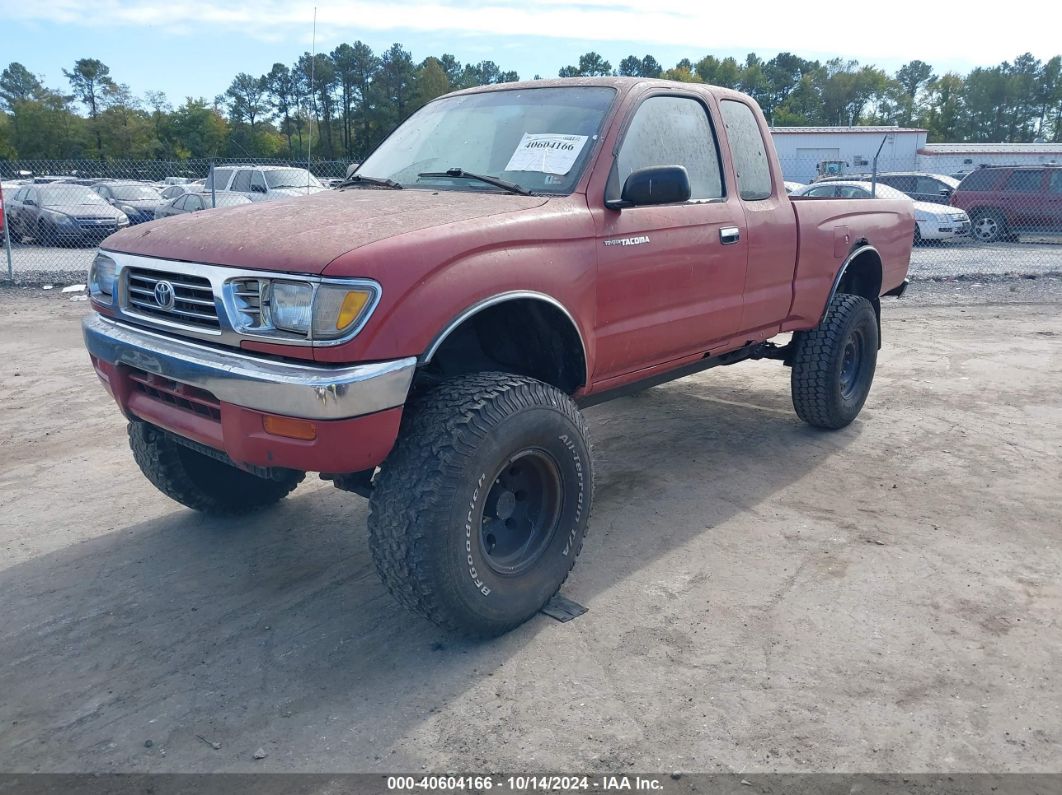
x=164, y=295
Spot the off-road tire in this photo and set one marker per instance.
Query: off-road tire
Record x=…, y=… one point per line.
x=200, y=482
x=822, y=396
x=458, y=442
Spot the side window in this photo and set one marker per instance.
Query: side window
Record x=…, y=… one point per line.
x=905, y=184
x=194, y=202
x=1024, y=181
x=749, y=152
x=1055, y=184
x=258, y=183
x=913, y=184
x=670, y=131
x=242, y=183
x=928, y=185
x=181, y=203
x=221, y=179
x=21, y=194
x=983, y=179
x=825, y=192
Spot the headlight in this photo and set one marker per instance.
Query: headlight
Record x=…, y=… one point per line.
x=339, y=308
x=315, y=311
x=123, y=221
x=59, y=218
x=101, y=275
x=291, y=306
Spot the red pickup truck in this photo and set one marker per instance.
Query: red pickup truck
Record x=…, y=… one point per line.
x=426, y=334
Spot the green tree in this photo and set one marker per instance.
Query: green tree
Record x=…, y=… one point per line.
x=89, y=79
x=431, y=81
x=199, y=130
x=18, y=84
x=646, y=66
x=284, y=101
x=591, y=64
x=247, y=99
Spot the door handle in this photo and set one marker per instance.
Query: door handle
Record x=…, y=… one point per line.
x=729, y=235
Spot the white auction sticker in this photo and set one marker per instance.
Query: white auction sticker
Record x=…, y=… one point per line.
x=549, y=153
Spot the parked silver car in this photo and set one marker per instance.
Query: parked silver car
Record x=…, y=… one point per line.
x=194, y=202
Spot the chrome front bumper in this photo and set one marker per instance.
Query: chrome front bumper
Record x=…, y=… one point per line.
x=314, y=392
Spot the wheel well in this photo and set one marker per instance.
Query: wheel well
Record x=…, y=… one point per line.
x=527, y=336
x=862, y=276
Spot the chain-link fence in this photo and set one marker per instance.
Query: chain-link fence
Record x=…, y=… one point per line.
x=973, y=218
x=55, y=212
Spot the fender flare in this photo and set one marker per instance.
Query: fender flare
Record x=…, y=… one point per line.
x=855, y=254
x=494, y=300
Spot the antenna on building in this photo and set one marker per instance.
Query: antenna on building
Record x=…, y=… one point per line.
x=313, y=63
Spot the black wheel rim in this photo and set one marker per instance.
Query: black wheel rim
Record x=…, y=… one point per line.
x=853, y=362
x=522, y=512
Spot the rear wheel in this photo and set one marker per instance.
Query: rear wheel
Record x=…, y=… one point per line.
x=988, y=226
x=480, y=510
x=833, y=364
x=200, y=482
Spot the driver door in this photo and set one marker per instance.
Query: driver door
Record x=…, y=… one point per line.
x=670, y=276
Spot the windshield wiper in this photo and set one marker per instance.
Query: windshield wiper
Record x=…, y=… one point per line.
x=459, y=173
x=361, y=179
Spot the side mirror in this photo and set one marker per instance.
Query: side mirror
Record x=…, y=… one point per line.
x=30, y=203
x=258, y=189
x=945, y=191
x=654, y=185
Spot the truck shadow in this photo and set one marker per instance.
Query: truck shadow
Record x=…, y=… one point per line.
x=186, y=628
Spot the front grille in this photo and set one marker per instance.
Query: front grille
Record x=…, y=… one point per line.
x=190, y=398
x=247, y=296
x=193, y=298
x=97, y=224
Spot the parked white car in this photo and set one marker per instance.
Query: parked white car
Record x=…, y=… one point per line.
x=932, y=221
x=264, y=183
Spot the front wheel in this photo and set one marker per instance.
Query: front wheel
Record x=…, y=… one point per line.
x=480, y=510
x=201, y=482
x=833, y=364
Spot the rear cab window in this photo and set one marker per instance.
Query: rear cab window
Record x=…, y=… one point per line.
x=748, y=150
x=670, y=131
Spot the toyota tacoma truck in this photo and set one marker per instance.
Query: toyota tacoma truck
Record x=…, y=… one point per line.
x=427, y=335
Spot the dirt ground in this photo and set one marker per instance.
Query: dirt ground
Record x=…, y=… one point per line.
x=762, y=596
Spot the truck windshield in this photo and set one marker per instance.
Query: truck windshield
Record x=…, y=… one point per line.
x=539, y=138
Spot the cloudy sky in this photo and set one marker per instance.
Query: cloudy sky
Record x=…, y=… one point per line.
x=194, y=47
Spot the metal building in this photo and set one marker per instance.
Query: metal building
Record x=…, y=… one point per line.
x=806, y=152
x=803, y=150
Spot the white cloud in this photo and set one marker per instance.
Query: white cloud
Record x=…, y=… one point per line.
x=900, y=30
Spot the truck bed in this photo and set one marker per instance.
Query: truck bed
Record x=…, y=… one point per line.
x=828, y=230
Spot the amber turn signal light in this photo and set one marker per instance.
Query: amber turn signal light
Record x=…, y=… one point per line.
x=290, y=427
x=351, y=307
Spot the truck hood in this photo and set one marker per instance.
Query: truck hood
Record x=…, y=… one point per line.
x=305, y=235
